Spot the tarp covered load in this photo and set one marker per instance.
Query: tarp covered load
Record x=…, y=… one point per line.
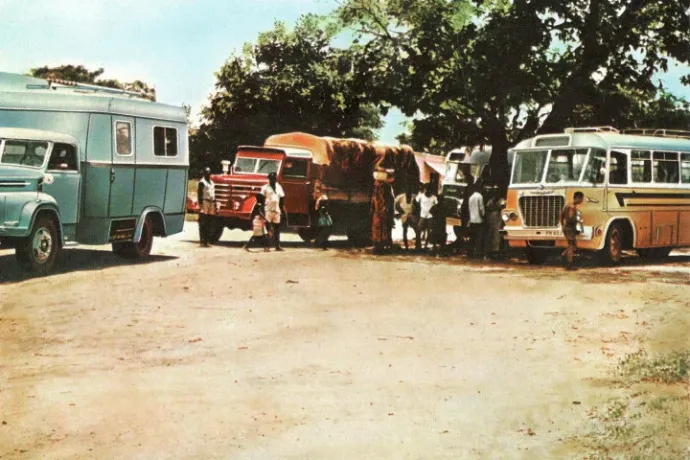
x=350, y=163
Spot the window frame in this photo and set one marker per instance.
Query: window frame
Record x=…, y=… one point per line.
x=131, y=138
x=651, y=166
x=49, y=149
x=165, y=138
x=76, y=158
x=628, y=168
x=687, y=161
x=654, y=181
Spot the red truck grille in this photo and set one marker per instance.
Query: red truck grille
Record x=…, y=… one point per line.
x=226, y=193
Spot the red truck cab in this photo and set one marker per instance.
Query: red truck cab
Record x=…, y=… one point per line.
x=236, y=191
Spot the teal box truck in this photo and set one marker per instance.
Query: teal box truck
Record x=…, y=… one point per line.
x=90, y=165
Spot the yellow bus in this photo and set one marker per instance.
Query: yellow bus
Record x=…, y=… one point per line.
x=636, y=188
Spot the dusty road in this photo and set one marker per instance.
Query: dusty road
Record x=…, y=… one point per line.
x=221, y=354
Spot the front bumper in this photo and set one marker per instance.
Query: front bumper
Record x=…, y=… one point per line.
x=545, y=234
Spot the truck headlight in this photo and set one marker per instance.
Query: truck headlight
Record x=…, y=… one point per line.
x=506, y=216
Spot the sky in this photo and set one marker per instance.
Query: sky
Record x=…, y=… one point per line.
x=174, y=45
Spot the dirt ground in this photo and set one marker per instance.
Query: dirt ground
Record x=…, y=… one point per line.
x=218, y=353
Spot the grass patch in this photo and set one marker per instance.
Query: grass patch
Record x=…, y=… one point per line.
x=653, y=420
x=668, y=368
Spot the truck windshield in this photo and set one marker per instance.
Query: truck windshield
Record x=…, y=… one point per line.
x=529, y=166
x=24, y=153
x=465, y=169
x=566, y=165
x=245, y=165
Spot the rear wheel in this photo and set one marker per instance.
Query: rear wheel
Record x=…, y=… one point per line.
x=613, y=249
x=536, y=256
x=132, y=250
x=307, y=233
x=39, y=252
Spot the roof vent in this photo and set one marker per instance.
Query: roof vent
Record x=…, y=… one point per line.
x=593, y=129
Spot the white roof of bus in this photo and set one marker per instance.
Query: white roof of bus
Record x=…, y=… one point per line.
x=36, y=135
x=608, y=140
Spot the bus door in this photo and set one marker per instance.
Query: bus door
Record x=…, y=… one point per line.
x=297, y=186
x=122, y=169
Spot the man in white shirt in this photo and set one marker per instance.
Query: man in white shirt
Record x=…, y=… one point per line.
x=426, y=202
x=404, y=205
x=477, y=213
x=273, y=206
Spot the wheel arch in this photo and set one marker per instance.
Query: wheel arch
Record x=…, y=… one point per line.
x=629, y=232
x=50, y=211
x=157, y=219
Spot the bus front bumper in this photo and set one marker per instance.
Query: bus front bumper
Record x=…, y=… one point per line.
x=533, y=234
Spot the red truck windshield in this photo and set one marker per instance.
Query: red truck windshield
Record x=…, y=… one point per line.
x=245, y=165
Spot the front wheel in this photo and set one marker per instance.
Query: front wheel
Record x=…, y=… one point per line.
x=613, y=250
x=132, y=250
x=39, y=252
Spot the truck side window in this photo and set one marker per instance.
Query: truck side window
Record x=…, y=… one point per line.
x=63, y=158
x=164, y=141
x=295, y=168
x=123, y=137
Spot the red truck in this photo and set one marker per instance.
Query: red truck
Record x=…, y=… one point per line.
x=342, y=168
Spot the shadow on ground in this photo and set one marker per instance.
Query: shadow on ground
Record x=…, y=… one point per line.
x=72, y=260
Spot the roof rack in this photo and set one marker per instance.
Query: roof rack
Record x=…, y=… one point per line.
x=592, y=129
x=56, y=84
x=656, y=132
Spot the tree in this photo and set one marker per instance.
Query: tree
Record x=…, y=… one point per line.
x=498, y=71
x=286, y=81
x=81, y=74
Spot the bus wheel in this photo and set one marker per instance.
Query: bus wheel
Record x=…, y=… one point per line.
x=215, y=231
x=132, y=250
x=613, y=248
x=536, y=256
x=39, y=252
x=307, y=233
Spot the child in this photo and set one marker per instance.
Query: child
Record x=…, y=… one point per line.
x=258, y=227
x=569, y=226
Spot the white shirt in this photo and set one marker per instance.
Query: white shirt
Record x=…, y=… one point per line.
x=272, y=201
x=425, y=205
x=208, y=190
x=476, y=208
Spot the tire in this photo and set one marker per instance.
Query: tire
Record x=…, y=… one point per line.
x=132, y=250
x=653, y=254
x=613, y=249
x=39, y=252
x=215, y=231
x=536, y=256
x=307, y=233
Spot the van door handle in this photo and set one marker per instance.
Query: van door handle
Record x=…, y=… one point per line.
x=112, y=175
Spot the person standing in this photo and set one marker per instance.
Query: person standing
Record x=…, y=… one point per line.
x=324, y=222
x=477, y=212
x=382, y=213
x=404, y=205
x=426, y=202
x=439, y=235
x=569, y=226
x=274, y=206
x=207, y=206
x=258, y=226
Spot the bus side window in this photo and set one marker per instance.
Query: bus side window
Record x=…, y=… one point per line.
x=63, y=158
x=641, y=166
x=618, y=168
x=666, y=167
x=685, y=168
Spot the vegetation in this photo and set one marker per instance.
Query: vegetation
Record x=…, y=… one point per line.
x=80, y=74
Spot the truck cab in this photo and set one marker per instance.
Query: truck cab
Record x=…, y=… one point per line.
x=461, y=163
x=237, y=190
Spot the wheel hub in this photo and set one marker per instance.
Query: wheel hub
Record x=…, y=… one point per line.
x=42, y=245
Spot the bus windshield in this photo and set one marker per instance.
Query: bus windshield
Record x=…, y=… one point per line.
x=566, y=165
x=529, y=166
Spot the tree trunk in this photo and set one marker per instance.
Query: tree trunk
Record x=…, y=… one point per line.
x=500, y=172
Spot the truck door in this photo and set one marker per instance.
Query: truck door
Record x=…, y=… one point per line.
x=122, y=169
x=296, y=183
x=64, y=168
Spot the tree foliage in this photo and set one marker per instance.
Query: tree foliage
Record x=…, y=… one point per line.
x=289, y=80
x=80, y=74
x=496, y=72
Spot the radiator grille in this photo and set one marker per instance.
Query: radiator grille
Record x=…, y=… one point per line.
x=541, y=211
